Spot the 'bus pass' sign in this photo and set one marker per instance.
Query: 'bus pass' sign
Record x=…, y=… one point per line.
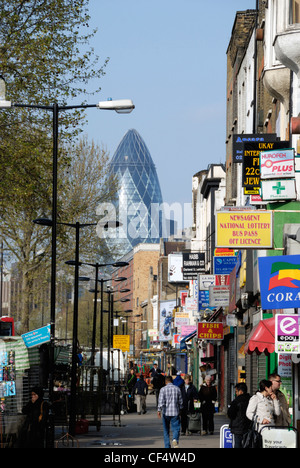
x=287, y=339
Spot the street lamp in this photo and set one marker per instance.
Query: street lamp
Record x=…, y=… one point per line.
x=122, y=105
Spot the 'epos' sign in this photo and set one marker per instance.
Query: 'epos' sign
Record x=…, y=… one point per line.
x=287, y=334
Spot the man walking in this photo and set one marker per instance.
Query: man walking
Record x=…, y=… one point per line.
x=170, y=404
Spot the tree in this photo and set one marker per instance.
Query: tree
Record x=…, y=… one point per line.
x=45, y=58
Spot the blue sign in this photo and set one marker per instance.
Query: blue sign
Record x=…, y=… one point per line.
x=226, y=438
x=224, y=265
x=279, y=282
x=203, y=299
x=37, y=337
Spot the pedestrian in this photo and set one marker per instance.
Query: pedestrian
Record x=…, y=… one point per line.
x=239, y=423
x=264, y=405
x=34, y=429
x=178, y=381
x=170, y=405
x=131, y=380
x=189, y=394
x=140, y=392
x=157, y=380
x=284, y=419
x=208, y=397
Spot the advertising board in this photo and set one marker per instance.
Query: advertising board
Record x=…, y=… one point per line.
x=244, y=230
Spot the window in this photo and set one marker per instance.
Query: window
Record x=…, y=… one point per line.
x=295, y=11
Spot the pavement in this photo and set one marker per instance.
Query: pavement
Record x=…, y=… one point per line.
x=133, y=431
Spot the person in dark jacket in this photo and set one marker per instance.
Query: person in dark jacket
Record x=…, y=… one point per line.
x=140, y=391
x=36, y=411
x=178, y=381
x=189, y=394
x=208, y=396
x=239, y=423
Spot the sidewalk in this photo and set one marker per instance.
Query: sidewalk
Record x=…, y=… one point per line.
x=143, y=431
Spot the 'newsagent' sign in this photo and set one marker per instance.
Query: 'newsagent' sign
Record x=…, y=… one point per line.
x=245, y=229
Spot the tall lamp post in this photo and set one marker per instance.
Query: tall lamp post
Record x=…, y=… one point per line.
x=97, y=266
x=120, y=106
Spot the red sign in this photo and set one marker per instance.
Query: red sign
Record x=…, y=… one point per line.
x=210, y=331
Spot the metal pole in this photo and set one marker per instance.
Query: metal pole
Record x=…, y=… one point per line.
x=51, y=430
x=72, y=422
x=95, y=317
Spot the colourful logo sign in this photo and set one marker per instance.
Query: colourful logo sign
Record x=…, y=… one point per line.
x=287, y=334
x=280, y=282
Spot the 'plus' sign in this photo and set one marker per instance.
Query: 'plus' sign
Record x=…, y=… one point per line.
x=278, y=187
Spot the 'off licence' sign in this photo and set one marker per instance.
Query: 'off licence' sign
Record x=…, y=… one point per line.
x=287, y=334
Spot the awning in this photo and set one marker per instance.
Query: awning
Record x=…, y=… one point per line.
x=186, y=339
x=262, y=338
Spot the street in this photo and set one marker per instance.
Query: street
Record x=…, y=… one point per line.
x=143, y=432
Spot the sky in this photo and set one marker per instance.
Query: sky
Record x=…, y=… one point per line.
x=169, y=57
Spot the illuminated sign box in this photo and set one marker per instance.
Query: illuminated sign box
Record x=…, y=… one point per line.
x=279, y=189
x=277, y=164
x=244, y=229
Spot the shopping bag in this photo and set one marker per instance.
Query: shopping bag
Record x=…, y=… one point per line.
x=252, y=438
x=194, y=421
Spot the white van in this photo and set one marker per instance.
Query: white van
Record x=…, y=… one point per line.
x=117, y=360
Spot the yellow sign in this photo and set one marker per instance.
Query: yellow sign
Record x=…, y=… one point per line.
x=245, y=229
x=121, y=342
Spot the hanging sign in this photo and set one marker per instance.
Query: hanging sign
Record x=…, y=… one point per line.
x=279, y=281
x=279, y=189
x=251, y=161
x=287, y=334
x=277, y=164
x=245, y=230
x=210, y=331
x=37, y=337
x=238, y=141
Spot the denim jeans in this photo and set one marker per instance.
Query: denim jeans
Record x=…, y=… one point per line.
x=174, y=421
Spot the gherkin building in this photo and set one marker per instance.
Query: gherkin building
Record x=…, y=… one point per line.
x=139, y=201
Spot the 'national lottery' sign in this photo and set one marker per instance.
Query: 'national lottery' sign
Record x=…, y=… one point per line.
x=280, y=282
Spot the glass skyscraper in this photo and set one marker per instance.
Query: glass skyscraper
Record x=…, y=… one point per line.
x=140, y=199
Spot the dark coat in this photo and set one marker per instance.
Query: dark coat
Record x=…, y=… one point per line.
x=33, y=434
x=207, y=396
x=239, y=423
x=188, y=397
x=140, y=388
x=131, y=381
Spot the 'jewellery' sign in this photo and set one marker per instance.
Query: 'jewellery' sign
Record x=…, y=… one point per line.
x=280, y=282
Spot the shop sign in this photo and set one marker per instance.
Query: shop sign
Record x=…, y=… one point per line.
x=287, y=334
x=279, y=189
x=210, y=331
x=219, y=296
x=205, y=281
x=224, y=265
x=245, y=230
x=279, y=279
x=239, y=140
x=251, y=161
x=37, y=337
x=193, y=264
x=277, y=164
